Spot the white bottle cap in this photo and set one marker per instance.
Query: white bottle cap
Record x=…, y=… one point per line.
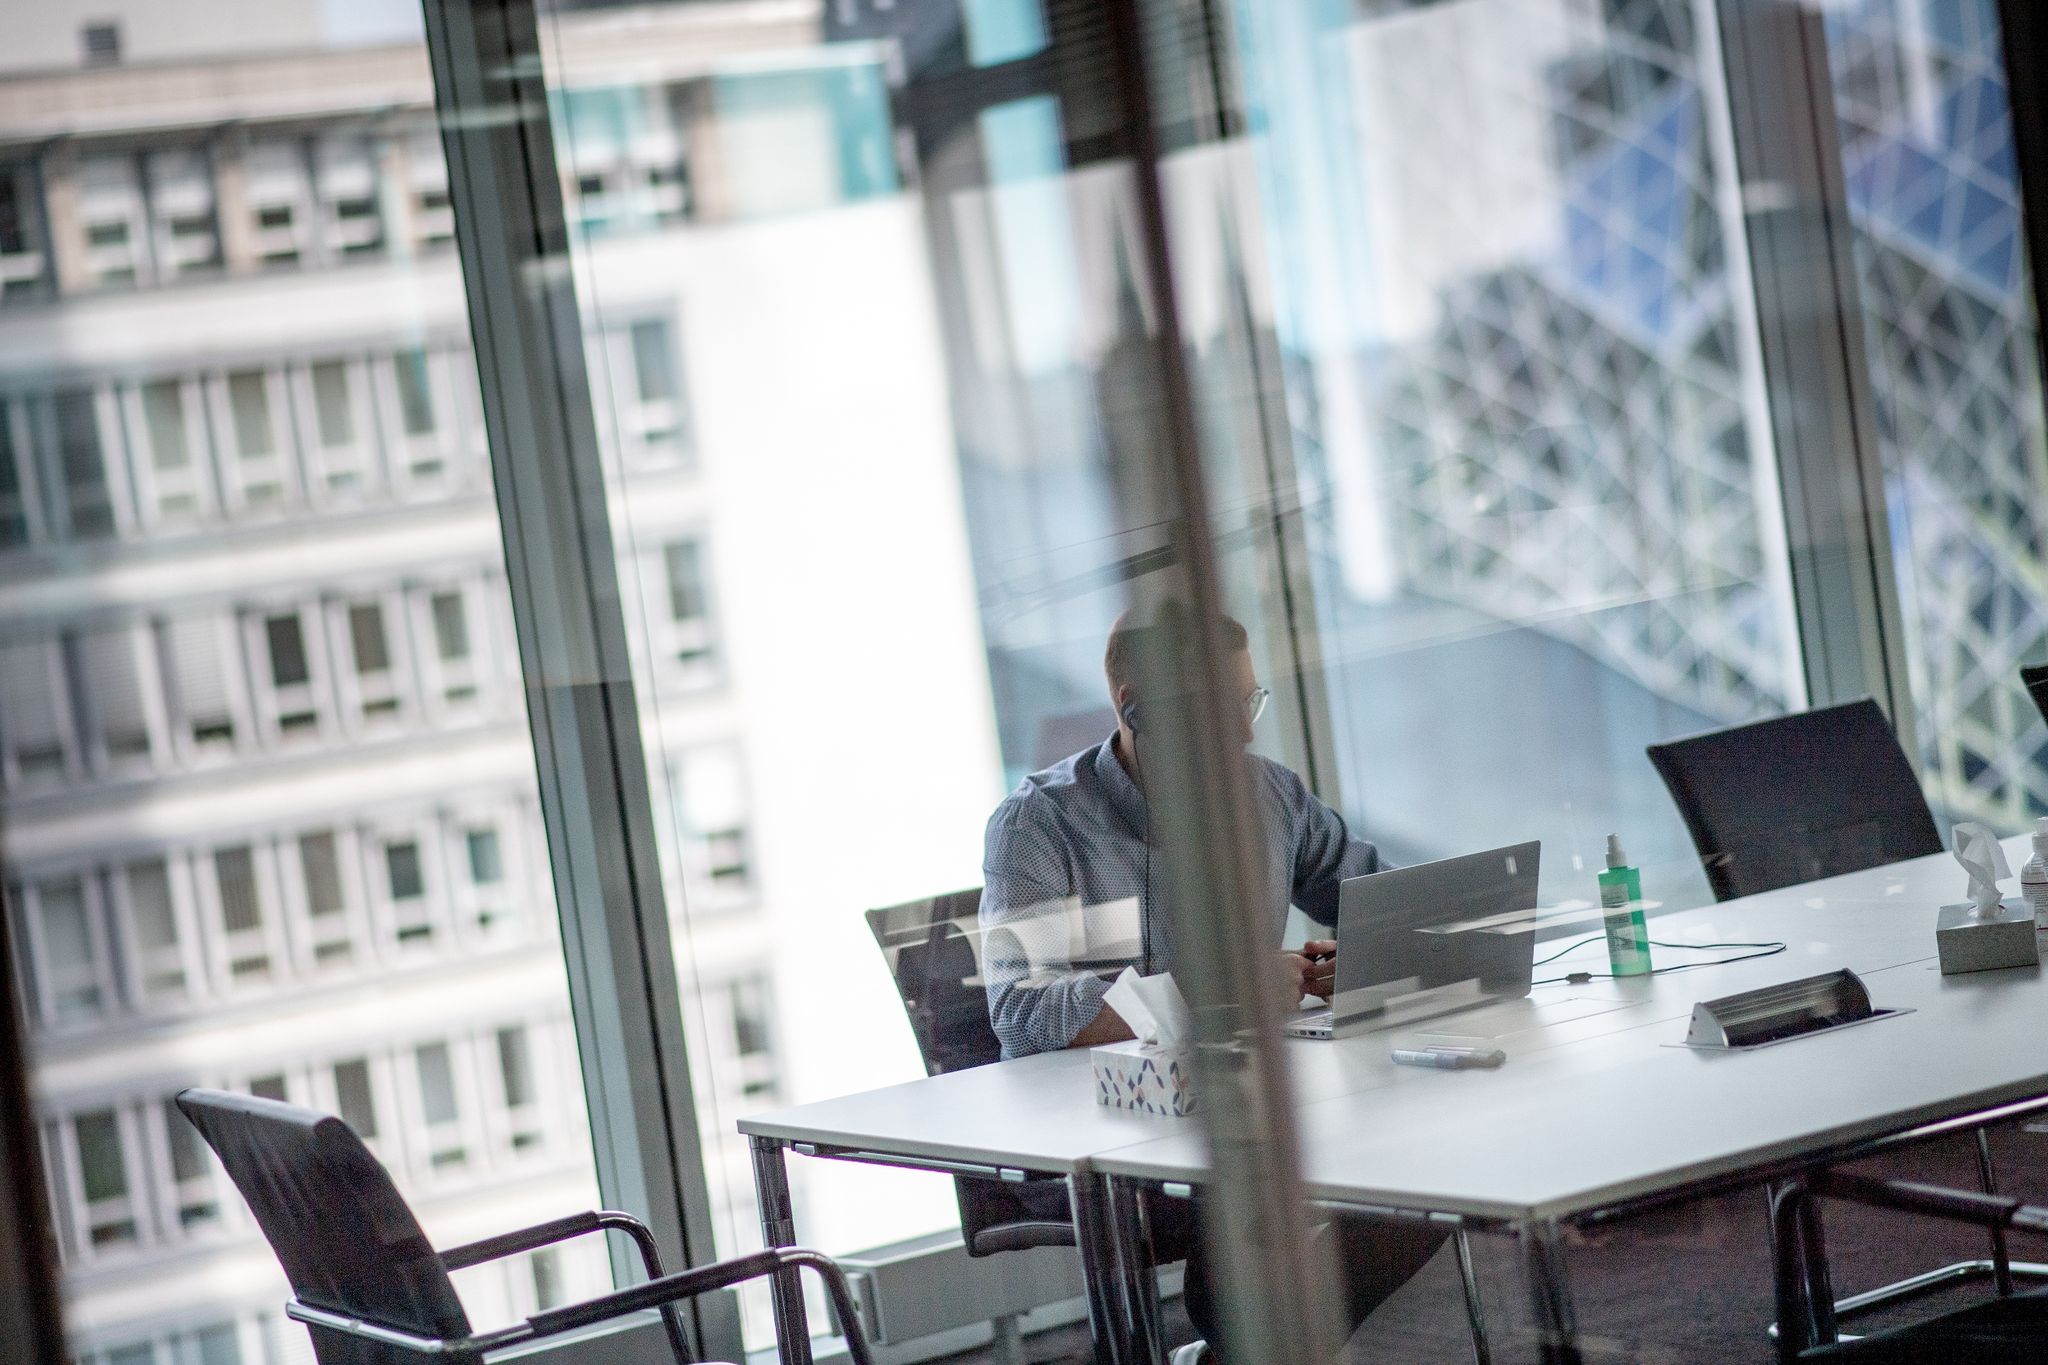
x=1617, y=858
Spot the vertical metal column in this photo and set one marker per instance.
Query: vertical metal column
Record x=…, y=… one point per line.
x=1550, y=1292
x=511, y=230
x=1810, y=322
x=1273, y=1295
x=778, y=1229
x=1102, y=1254
x=1137, y=1269
x=1475, y=1315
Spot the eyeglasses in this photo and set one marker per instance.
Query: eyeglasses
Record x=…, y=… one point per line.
x=1255, y=703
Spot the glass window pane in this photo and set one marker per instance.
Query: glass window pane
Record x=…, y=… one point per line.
x=654, y=361
x=102, y=1168
x=321, y=862
x=249, y=402
x=515, y=1066
x=486, y=865
x=81, y=465
x=190, y=1157
x=149, y=906
x=217, y=1346
x=451, y=626
x=687, y=600
x=241, y=906
x=402, y=867
x=437, y=1084
x=269, y=1088
x=163, y=410
x=335, y=416
x=352, y=1089
x=366, y=635
x=287, y=639
x=67, y=942
x=415, y=393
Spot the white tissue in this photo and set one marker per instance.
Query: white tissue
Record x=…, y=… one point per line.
x=1976, y=848
x=1153, y=1007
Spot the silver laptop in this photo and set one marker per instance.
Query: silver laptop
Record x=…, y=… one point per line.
x=1415, y=943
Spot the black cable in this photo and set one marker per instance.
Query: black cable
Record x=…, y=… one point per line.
x=1771, y=949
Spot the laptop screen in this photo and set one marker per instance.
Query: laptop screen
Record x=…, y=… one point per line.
x=1449, y=932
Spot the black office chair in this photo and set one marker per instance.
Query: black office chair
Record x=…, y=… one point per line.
x=2035, y=677
x=2005, y=1331
x=370, y=1289
x=1796, y=798
x=1804, y=796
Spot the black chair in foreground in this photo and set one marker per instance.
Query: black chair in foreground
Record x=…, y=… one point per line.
x=1805, y=796
x=2035, y=677
x=2005, y=1331
x=369, y=1287
x=1797, y=798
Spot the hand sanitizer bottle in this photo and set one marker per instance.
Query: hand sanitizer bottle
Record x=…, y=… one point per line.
x=1621, y=898
x=2034, y=876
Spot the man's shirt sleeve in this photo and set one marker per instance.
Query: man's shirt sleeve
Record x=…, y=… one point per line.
x=1326, y=852
x=1037, y=1002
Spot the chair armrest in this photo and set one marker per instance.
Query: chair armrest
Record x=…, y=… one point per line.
x=556, y=1230
x=719, y=1275
x=1931, y=1201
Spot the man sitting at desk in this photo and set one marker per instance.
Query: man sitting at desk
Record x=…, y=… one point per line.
x=1068, y=863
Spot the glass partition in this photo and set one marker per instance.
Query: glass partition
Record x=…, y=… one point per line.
x=269, y=818
x=1953, y=347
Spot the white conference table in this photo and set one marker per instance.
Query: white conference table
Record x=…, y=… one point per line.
x=1597, y=1112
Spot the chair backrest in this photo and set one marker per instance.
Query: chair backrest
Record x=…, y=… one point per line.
x=1798, y=797
x=2035, y=676
x=933, y=951
x=345, y=1237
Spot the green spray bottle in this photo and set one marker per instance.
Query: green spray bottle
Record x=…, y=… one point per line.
x=1621, y=902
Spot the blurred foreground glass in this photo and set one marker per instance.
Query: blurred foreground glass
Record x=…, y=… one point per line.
x=269, y=809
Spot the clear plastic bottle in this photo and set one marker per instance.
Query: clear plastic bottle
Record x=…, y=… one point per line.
x=1621, y=902
x=2034, y=876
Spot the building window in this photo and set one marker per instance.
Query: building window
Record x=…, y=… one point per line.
x=524, y=1129
x=105, y=1203
x=17, y=479
x=433, y=213
x=547, y=1279
x=202, y=664
x=345, y=180
x=354, y=1099
x=753, y=1037
x=259, y=478
x=291, y=700
x=157, y=944
x=245, y=926
x=455, y=675
x=110, y=210
x=329, y=928
x=68, y=950
x=86, y=503
x=194, y=1196
x=99, y=44
x=685, y=632
x=24, y=259
x=181, y=205
x=170, y=448
x=279, y=191
x=440, y=1113
x=116, y=677
x=374, y=681
x=713, y=820
x=405, y=881
x=36, y=729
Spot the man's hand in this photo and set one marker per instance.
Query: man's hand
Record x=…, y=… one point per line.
x=1294, y=974
x=1321, y=956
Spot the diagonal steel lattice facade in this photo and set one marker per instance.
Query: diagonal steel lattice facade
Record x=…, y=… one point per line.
x=1576, y=443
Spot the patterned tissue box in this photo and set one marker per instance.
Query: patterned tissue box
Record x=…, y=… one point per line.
x=1145, y=1077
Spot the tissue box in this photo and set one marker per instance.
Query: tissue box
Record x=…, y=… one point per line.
x=1968, y=944
x=1145, y=1077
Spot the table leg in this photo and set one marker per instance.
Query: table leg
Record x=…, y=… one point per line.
x=778, y=1229
x=1095, y=1230
x=1550, y=1291
x=1138, y=1269
x=1475, y=1317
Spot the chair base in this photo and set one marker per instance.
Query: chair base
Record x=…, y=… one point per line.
x=1928, y=1282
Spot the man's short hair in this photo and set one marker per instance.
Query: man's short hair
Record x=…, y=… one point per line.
x=1167, y=627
